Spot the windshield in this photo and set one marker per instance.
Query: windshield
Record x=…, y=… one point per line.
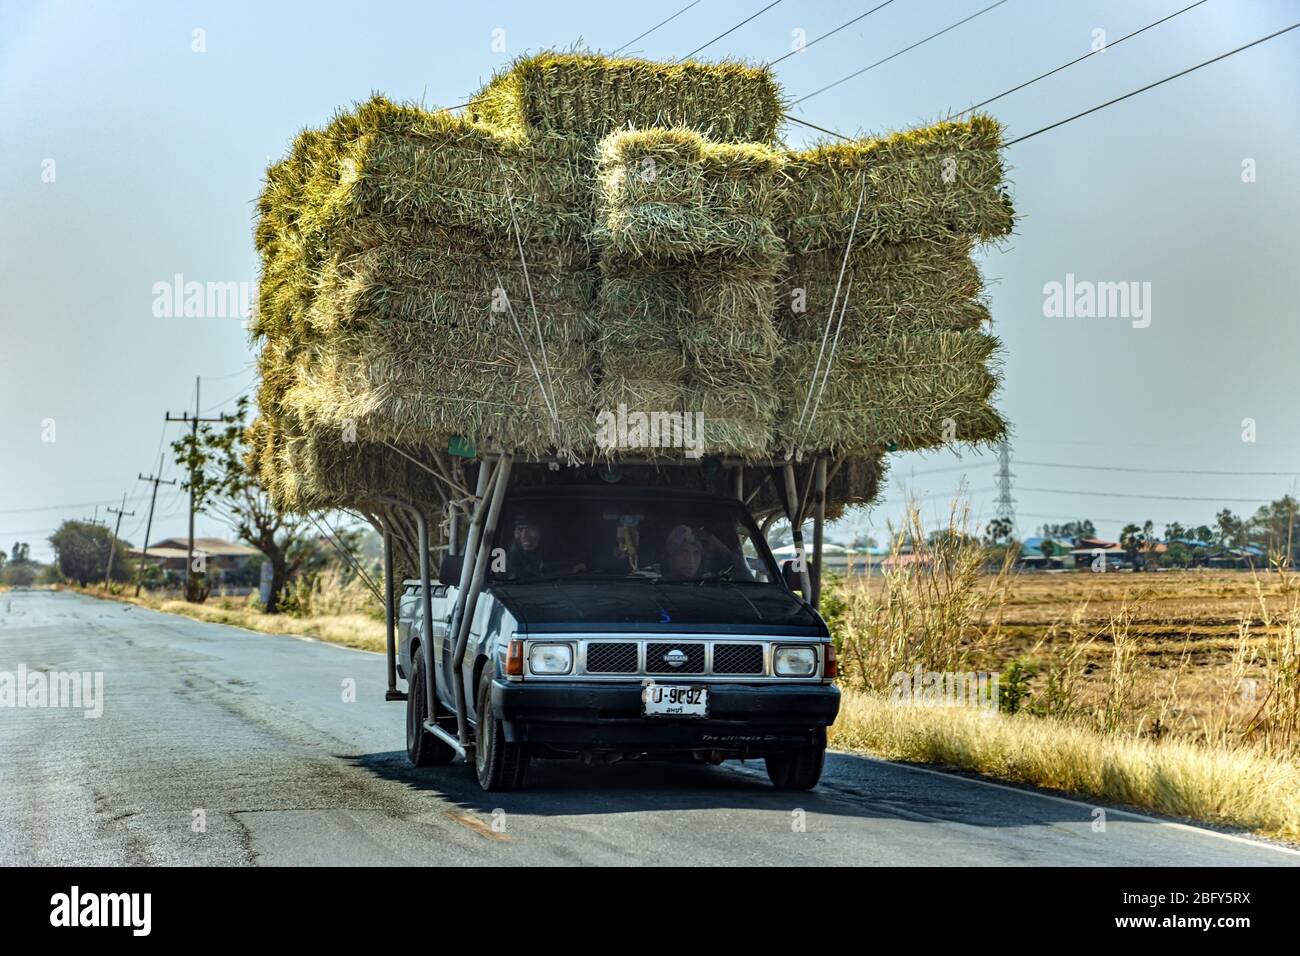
x=653, y=539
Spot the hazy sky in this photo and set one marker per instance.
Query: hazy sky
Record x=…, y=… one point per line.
x=127, y=158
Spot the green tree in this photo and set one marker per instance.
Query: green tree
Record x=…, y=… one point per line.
x=1231, y=530
x=1073, y=530
x=1273, y=528
x=213, y=461
x=81, y=552
x=998, y=531
x=1048, y=549
x=1177, y=555
x=1130, y=539
x=863, y=542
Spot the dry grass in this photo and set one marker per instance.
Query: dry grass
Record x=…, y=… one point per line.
x=1136, y=688
x=350, y=629
x=1238, y=787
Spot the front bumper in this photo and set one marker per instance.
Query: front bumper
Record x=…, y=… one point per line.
x=749, y=719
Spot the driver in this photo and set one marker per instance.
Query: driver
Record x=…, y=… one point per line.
x=684, y=553
x=524, y=556
x=530, y=554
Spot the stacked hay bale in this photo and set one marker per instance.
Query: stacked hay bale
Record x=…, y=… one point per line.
x=909, y=364
x=686, y=228
x=598, y=232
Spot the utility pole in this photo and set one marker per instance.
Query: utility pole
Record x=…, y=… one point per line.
x=148, y=525
x=1006, y=504
x=194, y=422
x=112, y=544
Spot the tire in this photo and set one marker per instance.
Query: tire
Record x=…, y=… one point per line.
x=797, y=769
x=423, y=749
x=498, y=765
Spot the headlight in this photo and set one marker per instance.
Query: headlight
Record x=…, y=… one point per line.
x=795, y=662
x=550, y=658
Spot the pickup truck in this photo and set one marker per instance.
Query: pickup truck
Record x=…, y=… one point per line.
x=619, y=623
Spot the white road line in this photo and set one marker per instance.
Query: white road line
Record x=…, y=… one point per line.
x=1231, y=837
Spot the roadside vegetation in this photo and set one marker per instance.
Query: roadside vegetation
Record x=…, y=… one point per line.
x=1179, y=695
x=330, y=605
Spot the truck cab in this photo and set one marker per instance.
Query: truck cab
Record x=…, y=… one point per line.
x=617, y=623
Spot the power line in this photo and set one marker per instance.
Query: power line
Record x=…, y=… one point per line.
x=861, y=16
x=1150, y=86
x=1113, y=494
x=1080, y=59
x=820, y=129
x=1162, y=471
x=1094, y=109
x=726, y=32
x=655, y=27
x=855, y=73
x=78, y=504
x=940, y=471
x=242, y=371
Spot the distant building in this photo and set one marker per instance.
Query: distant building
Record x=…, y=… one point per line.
x=228, y=560
x=1087, y=551
x=1031, y=553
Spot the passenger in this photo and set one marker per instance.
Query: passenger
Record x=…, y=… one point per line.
x=684, y=553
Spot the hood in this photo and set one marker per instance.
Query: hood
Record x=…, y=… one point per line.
x=717, y=607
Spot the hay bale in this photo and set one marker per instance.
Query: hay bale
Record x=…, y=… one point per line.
x=898, y=392
x=670, y=196
x=938, y=182
x=467, y=383
x=390, y=164
x=418, y=291
x=588, y=95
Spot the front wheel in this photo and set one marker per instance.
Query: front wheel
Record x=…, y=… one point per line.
x=797, y=769
x=498, y=765
x=423, y=749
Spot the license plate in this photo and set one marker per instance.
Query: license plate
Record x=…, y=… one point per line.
x=674, y=700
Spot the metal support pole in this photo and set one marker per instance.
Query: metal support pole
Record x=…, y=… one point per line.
x=390, y=616
x=740, y=482
x=487, y=474
x=796, y=530
x=500, y=478
x=426, y=596
x=819, y=528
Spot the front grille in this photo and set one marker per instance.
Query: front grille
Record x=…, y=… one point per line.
x=611, y=658
x=737, y=658
x=655, y=663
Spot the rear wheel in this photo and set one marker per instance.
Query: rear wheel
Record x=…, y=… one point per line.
x=498, y=765
x=422, y=748
x=797, y=769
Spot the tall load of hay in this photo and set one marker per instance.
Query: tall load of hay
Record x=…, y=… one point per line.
x=689, y=224
x=596, y=234
x=881, y=304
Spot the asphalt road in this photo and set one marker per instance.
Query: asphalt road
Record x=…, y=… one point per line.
x=220, y=746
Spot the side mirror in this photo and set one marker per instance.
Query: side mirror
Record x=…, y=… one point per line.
x=793, y=579
x=449, y=569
